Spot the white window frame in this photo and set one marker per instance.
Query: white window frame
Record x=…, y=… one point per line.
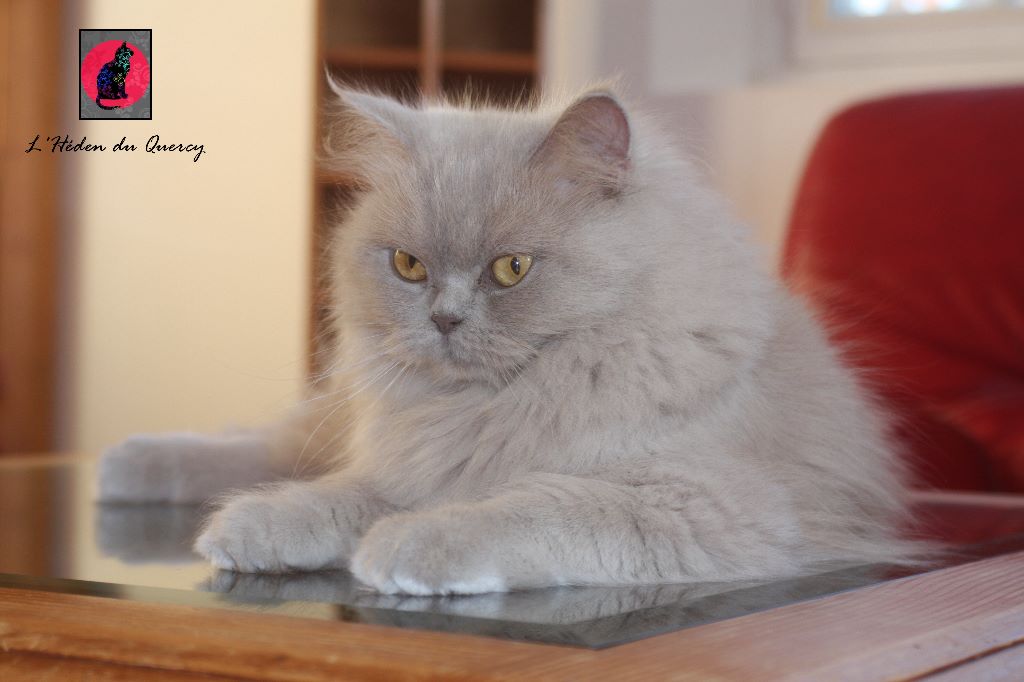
x=822, y=40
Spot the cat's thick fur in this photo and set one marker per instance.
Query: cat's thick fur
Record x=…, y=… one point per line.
x=645, y=406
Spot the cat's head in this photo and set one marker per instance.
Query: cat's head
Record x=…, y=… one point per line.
x=482, y=236
x=124, y=53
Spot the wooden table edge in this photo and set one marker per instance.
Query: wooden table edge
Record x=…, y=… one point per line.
x=906, y=628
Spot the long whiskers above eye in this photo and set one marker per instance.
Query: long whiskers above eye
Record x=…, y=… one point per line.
x=356, y=418
x=326, y=373
x=351, y=367
x=323, y=395
x=365, y=384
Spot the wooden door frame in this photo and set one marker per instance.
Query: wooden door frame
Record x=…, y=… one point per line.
x=29, y=192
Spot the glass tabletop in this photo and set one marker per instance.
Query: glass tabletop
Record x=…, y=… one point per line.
x=53, y=537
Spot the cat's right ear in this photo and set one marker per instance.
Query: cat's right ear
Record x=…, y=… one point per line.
x=364, y=134
x=589, y=145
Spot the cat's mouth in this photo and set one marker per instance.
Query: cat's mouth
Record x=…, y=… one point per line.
x=453, y=358
x=455, y=354
x=463, y=364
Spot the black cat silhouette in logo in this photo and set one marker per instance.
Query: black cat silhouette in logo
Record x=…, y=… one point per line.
x=110, y=81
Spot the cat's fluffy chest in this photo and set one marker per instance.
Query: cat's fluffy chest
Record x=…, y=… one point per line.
x=569, y=412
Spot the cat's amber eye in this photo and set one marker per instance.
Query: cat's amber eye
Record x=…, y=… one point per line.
x=509, y=270
x=409, y=267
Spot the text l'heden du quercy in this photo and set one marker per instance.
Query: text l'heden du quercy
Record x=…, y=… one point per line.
x=153, y=146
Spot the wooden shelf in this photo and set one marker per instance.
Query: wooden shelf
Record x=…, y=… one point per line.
x=489, y=62
x=479, y=61
x=373, y=57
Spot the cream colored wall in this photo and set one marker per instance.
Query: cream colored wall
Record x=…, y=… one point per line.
x=760, y=136
x=722, y=78
x=189, y=292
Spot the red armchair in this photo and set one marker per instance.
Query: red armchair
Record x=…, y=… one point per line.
x=908, y=236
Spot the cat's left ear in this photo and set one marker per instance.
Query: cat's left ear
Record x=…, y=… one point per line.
x=366, y=134
x=589, y=145
x=388, y=113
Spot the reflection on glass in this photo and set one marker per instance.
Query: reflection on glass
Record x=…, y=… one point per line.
x=582, y=616
x=55, y=538
x=147, y=533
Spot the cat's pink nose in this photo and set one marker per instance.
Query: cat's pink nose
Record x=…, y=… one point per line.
x=446, y=322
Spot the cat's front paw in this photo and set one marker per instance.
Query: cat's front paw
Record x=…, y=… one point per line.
x=279, y=530
x=424, y=554
x=181, y=468
x=143, y=468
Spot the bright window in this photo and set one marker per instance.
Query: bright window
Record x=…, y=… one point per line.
x=877, y=8
x=866, y=33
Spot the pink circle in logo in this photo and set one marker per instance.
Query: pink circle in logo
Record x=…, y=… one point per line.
x=135, y=83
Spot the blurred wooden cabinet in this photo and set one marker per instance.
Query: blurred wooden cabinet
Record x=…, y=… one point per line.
x=406, y=48
x=29, y=209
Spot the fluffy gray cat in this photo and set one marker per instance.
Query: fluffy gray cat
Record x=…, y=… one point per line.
x=558, y=363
